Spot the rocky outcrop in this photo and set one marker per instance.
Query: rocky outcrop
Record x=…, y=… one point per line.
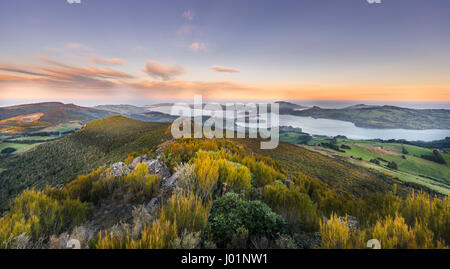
x=167, y=185
x=135, y=163
x=119, y=169
x=157, y=166
x=350, y=221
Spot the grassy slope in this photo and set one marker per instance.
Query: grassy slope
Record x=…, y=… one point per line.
x=412, y=169
x=53, y=113
x=20, y=148
x=339, y=174
x=101, y=142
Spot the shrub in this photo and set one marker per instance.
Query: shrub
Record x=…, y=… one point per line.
x=232, y=211
x=295, y=207
x=37, y=215
x=211, y=171
x=143, y=185
x=8, y=150
x=80, y=187
x=336, y=234
x=187, y=211
x=392, y=165
x=159, y=235
x=395, y=233
x=434, y=213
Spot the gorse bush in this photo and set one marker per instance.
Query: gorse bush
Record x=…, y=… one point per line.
x=81, y=187
x=395, y=233
x=159, y=235
x=296, y=207
x=326, y=199
x=211, y=172
x=264, y=169
x=187, y=211
x=335, y=233
x=99, y=184
x=183, y=214
x=37, y=215
x=232, y=211
x=434, y=213
x=143, y=185
x=418, y=221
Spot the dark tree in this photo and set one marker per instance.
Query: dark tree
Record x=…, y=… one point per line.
x=8, y=150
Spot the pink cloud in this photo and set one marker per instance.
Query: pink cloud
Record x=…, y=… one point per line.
x=196, y=46
x=60, y=75
x=105, y=61
x=161, y=71
x=224, y=69
x=76, y=46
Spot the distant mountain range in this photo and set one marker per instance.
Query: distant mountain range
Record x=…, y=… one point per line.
x=32, y=117
x=383, y=117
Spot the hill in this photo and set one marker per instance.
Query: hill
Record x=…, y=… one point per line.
x=32, y=117
x=336, y=173
x=122, y=109
x=99, y=143
x=385, y=117
x=288, y=106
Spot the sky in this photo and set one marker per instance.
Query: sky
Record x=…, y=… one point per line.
x=138, y=51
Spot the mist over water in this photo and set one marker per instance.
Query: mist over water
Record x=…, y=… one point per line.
x=329, y=127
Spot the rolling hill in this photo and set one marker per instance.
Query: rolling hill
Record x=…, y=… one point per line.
x=100, y=142
x=32, y=117
x=384, y=117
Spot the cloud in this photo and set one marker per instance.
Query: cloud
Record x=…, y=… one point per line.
x=161, y=71
x=76, y=46
x=60, y=75
x=180, y=88
x=196, y=46
x=189, y=15
x=105, y=61
x=224, y=69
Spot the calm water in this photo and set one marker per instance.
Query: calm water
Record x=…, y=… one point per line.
x=335, y=127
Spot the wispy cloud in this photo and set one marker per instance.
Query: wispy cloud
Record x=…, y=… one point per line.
x=179, y=88
x=224, y=69
x=106, y=61
x=76, y=46
x=189, y=15
x=60, y=75
x=162, y=71
x=197, y=46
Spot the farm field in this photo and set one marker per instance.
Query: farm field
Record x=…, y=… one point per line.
x=20, y=148
x=411, y=167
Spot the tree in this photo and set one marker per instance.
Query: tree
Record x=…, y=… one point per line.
x=392, y=165
x=8, y=150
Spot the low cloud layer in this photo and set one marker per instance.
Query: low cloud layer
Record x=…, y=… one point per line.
x=161, y=71
x=224, y=69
